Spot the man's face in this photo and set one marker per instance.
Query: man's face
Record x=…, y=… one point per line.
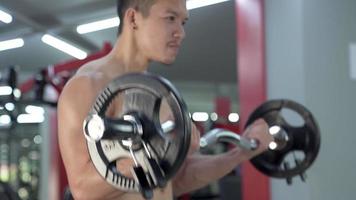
x=161, y=33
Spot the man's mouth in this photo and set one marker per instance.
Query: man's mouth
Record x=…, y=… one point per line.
x=174, y=45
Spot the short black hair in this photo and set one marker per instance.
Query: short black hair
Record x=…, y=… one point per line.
x=142, y=6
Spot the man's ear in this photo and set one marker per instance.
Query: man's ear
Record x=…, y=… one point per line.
x=131, y=18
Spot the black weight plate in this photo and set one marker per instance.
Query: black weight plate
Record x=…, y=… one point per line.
x=305, y=138
x=143, y=93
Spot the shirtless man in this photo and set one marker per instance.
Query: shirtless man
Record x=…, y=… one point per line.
x=150, y=30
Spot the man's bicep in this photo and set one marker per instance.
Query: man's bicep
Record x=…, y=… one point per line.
x=73, y=107
x=71, y=138
x=72, y=110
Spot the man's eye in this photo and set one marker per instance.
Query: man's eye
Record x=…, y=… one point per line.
x=171, y=18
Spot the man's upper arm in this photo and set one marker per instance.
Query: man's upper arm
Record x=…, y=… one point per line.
x=73, y=107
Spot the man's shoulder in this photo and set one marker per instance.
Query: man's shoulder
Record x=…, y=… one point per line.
x=88, y=75
x=82, y=87
x=86, y=83
x=80, y=81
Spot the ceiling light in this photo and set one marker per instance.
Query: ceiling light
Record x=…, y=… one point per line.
x=30, y=118
x=192, y=4
x=10, y=106
x=98, y=25
x=5, y=90
x=38, y=139
x=17, y=93
x=214, y=117
x=65, y=47
x=5, y=119
x=11, y=44
x=234, y=117
x=115, y=21
x=200, y=116
x=30, y=109
x=5, y=17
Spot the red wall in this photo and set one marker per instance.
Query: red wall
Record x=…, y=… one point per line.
x=251, y=83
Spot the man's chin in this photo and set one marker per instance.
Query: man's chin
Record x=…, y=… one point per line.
x=168, y=61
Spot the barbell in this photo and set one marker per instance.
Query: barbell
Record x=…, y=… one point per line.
x=158, y=148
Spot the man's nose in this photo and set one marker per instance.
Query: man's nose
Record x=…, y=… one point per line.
x=180, y=32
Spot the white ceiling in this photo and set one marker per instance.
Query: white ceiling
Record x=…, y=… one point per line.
x=208, y=53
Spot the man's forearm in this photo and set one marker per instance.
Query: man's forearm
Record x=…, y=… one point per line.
x=200, y=170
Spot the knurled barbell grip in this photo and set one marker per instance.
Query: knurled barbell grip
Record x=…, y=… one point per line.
x=221, y=135
x=120, y=129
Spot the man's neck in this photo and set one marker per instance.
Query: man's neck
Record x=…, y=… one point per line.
x=127, y=55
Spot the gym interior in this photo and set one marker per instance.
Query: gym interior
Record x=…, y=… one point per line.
x=237, y=55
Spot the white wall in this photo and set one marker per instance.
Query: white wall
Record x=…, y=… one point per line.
x=308, y=61
x=285, y=72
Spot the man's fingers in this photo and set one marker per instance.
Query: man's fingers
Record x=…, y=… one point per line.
x=259, y=121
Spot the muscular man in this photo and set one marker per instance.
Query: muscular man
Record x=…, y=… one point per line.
x=150, y=30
